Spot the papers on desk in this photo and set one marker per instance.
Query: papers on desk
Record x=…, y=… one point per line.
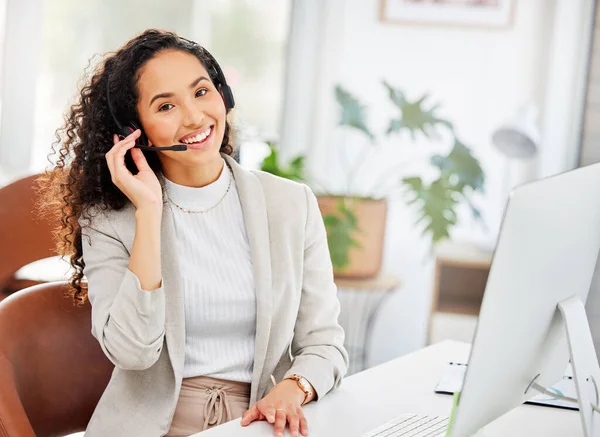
x=454, y=375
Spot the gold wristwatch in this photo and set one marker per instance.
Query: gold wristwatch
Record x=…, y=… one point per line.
x=303, y=384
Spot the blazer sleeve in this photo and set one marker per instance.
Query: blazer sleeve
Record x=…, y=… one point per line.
x=318, y=343
x=128, y=322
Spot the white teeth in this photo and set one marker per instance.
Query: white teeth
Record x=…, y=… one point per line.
x=198, y=138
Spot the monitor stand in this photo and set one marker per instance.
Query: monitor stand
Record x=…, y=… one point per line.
x=586, y=371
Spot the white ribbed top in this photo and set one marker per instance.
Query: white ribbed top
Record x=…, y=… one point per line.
x=217, y=280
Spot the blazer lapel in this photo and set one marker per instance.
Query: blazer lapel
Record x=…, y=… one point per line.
x=174, y=312
x=254, y=209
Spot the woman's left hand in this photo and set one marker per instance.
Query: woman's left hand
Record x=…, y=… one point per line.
x=282, y=405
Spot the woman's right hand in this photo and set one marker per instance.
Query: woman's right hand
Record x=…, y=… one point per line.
x=143, y=189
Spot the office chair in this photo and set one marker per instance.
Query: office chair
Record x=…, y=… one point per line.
x=52, y=370
x=23, y=238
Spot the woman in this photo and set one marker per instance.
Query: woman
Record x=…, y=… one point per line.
x=211, y=286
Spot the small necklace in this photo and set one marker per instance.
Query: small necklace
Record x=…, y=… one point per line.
x=202, y=211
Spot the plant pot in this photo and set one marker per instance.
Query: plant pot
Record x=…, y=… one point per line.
x=364, y=261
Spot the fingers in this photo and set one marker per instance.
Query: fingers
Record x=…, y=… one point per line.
x=269, y=412
x=279, y=416
x=122, y=147
x=303, y=422
x=251, y=415
x=280, y=420
x=139, y=159
x=115, y=158
x=119, y=144
x=293, y=420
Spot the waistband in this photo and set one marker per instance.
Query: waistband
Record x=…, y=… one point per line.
x=205, y=382
x=216, y=409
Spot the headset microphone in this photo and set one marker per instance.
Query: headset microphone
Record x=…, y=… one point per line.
x=175, y=148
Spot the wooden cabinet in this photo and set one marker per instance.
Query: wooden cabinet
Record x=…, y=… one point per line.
x=461, y=272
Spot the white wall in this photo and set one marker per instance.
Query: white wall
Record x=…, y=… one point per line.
x=481, y=77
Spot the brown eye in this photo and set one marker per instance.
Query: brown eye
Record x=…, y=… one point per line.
x=164, y=107
x=201, y=92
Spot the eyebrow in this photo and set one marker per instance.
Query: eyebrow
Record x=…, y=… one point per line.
x=166, y=95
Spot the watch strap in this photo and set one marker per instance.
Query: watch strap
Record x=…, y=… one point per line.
x=303, y=384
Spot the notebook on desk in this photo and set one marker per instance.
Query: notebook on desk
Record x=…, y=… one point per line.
x=454, y=375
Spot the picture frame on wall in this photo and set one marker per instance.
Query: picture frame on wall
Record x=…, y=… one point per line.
x=474, y=13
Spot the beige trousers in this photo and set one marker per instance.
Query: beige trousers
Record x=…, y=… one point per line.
x=207, y=402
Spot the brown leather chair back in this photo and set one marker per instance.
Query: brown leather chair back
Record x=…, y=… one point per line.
x=23, y=238
x=52, y=370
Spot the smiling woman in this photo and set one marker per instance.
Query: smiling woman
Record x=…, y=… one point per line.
x=209, y=283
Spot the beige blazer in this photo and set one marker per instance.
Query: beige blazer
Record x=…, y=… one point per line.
x=142, y=333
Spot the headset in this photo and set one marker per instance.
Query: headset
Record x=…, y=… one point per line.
x=131, y=126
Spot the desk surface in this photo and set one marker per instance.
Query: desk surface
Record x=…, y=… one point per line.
x=406, y=385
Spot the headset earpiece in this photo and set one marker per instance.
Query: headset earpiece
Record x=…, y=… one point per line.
x=130, y=128
x=125, y=131
x=227, y=95
x=133, y=126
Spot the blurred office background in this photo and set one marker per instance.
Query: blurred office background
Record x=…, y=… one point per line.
x=338, y=82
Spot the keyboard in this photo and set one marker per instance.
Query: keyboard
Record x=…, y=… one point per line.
x=412, y=425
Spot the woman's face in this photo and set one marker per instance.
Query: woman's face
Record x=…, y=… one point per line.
x=178, y=104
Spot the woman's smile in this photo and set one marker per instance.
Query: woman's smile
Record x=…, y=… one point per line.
x=201, y=140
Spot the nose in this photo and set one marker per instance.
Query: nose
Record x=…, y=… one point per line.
x=192, y=114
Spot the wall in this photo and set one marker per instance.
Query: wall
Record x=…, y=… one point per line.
x=480, y=77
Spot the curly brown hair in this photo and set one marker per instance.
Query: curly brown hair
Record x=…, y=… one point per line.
x=80, y=178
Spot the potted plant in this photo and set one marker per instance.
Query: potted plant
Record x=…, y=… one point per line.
x=356, y=222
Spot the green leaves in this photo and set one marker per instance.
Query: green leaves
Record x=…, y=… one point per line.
x=294, y=170
x=436, y=202
x=412, y=116
x=340, y=229
x=352, y=112
x=460, y=168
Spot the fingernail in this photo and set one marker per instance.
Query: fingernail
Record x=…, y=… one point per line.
x=271, y=418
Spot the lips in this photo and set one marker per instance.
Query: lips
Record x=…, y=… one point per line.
x=197, y=132
x=204, y=142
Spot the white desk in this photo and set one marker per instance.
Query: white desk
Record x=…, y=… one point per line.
x=406, y=385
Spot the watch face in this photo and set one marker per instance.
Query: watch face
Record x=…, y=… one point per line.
x=304, y=384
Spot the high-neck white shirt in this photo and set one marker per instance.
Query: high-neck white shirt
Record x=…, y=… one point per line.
x=217, y=279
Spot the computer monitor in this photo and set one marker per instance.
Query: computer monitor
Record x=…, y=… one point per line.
x=540, y=276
